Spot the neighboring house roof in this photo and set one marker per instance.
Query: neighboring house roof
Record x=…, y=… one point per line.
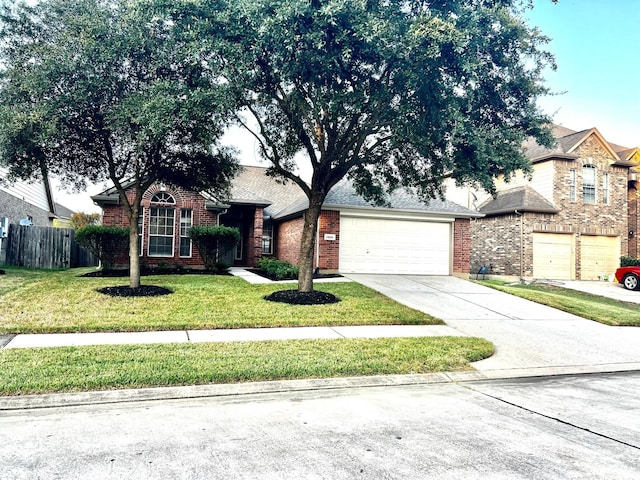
x=567, y=141
x=62, y=211
x=518, y=199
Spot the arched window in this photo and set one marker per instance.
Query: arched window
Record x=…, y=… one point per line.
x=163, y=197
x=162, y=218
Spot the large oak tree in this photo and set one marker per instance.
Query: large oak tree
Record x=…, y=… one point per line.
x=110, y=89
x=388, y=93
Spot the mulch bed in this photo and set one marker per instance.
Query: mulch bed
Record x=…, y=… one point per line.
x=294, y=297
x=141, y=291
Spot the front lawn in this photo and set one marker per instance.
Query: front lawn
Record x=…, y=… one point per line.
x=42, y=370
x=53, y=302
x=594, y=307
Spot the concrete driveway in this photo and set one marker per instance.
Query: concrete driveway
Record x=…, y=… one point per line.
x=526, y=335
x=606, y=289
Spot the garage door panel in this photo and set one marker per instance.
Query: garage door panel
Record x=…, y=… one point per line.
x=394, y=246
x=599, y=255
x=553, y=255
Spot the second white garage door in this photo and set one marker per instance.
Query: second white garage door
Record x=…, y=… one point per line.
x=599, y=255
x=373, y=245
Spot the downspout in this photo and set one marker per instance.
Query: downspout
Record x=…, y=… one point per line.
x=521, y=242
x=222, y=212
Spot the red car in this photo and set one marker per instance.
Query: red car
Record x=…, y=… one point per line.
x=629, y=277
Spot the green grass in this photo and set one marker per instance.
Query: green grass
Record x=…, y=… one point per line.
x=42, y=370
x=594, y=307
x=53, y=302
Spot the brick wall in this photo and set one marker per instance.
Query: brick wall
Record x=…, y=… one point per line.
x=496, y=242
x=288, y=238
x=461, y=245
x=329, y=250
x=255, y=233
x=115, y=215
x=632, y=220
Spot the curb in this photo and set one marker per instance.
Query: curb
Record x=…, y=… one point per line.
x=55, y=400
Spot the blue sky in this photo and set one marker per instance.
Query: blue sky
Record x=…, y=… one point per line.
x=597, y=48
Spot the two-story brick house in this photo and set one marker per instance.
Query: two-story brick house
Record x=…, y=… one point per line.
x=568, y=220
x=353, y=236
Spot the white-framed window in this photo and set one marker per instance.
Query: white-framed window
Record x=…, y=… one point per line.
x=572, y=185
x=267, y=238
x=186, y=222
x=605, y=188
x=161, y=225
x=589, y=183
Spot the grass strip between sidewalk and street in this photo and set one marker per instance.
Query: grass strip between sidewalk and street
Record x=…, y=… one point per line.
x=62, y=301
x=67, y=369
x=593, y=307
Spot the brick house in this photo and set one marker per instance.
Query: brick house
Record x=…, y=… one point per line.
x=407, y=237
x=568, y=220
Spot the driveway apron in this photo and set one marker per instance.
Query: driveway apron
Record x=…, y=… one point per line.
x=526, y=335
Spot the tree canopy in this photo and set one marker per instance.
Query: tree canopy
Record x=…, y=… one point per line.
x=388, y=93
x=110, y=89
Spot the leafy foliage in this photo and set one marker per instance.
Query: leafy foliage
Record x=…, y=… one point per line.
x=104, y=242
x=387, y=93
x=279, y=268
x=97, y=89
x=82, y=219
x=214, y=241
x=629, y=262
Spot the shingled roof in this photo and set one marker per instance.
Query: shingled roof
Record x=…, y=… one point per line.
x=518, y=199
x=567, y=140
x=285, y=199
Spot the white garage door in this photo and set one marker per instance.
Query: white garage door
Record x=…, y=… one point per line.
x=553, y=256
x=599, y=255
x=373, y=245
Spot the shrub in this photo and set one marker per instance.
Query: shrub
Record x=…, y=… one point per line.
x=629, y=262
x=81, y=219
x=279, y=268
x=212, y=242
x=104, y=242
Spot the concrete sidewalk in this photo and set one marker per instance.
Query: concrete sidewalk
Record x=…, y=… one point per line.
x=233, y=335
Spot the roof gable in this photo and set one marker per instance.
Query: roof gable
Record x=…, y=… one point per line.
x=590, y=136
x=570, y=142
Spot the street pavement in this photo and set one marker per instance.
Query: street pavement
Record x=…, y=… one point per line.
x=575, y=427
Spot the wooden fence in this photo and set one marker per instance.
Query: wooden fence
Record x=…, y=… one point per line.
x=45, y=247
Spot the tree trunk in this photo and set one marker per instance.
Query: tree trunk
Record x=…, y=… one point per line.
x=134, y=255
x=307, y=246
